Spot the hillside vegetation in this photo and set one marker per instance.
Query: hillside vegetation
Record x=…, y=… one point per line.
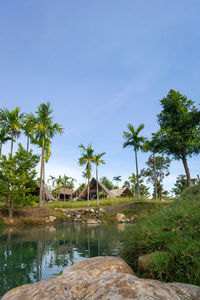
x=175, y=231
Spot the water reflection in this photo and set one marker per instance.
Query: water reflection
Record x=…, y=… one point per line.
x=29, y=255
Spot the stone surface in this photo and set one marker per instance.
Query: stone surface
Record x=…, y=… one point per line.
x=52, y=218
x=92, y=221
x=121, y=217
x=102, y=278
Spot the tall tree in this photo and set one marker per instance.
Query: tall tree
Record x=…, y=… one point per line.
x=97, y=160
x=162, y=170
x=85, y=160
x=28, y=126
x=4, y=137
x=117, y=179
x=132, y=139
x=179, y=133
x=11, y=121
x=44, y=130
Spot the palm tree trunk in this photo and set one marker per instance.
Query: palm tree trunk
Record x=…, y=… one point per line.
x=43, y=181
x=88, y=193
x=97, y=180
x=136, y=163
x=155, y=176
x=41, y=177
x=0, y=148
x=187, y=171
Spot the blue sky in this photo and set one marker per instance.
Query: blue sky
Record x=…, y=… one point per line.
x=102, y=64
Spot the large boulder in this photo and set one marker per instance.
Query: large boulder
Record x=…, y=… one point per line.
x=102, y=278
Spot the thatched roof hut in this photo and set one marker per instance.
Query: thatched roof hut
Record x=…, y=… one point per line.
x=65, y=194
x=122, y=192
x=93, y=190
x=47, y=194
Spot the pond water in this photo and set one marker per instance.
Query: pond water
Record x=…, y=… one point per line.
x=33, y=254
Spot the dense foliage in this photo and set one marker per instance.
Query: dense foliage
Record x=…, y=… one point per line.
x=176, y=232
x=17, y=178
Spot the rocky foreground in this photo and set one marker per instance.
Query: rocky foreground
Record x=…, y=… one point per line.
x=106, y=278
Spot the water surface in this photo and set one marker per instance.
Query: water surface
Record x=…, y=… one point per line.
x=32, y=254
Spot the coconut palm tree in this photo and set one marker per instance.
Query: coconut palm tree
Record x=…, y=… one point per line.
x=85, y=160
x=134, y=140
x=27, y=126
x=11, y=121
x=97, y=160
x=117, y=179
x=4, y=137
x=44, y=129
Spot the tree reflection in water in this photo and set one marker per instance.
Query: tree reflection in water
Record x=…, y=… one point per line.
x=29, y=255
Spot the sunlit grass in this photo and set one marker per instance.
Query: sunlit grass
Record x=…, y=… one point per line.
x=92, y=203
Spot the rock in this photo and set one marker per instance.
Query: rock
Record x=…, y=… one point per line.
x=120, y=217
x=146, y=263
x=92, y=221
x=92, y=210
x=52, y=218
x=102, y=278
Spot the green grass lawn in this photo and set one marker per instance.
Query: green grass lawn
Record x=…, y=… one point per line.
x=174, y=230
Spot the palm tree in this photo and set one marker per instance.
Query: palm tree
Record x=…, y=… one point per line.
x=28, y=126
x=97, y=160
x=11, y=121
x=4, y=137
x=85, y=160
x=132, y=179
x=134, y=140
x=117, y=179
x=44, y=130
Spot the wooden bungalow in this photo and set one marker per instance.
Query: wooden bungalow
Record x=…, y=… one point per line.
x=122, y=192
x=65, y=194
x=93, y=190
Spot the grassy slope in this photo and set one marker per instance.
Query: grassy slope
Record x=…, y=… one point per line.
x=174, y=230
x=92, y=203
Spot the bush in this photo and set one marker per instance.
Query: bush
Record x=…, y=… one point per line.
x=174, y=230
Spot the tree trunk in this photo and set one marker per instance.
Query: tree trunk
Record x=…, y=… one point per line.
x=41, y=178
x=138, y=187
x=11, y=207
x=11, y=150
x=88, y=193
x=43, y=181
x=155, y=176
x=187, y=171
x=160, y=191
x=97, y=180
x=0, y=148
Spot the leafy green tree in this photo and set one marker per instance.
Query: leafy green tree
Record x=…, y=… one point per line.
x=179, y=133
x=181, y=184
x=132, y=139
x=17, y=178
x=162, y=170
x=117, y=179
x=126, y=184
x=44, y=130
x=86, y=160
x=108, y=184
x=11, y=121
x=97, y=160
x=4, y=137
